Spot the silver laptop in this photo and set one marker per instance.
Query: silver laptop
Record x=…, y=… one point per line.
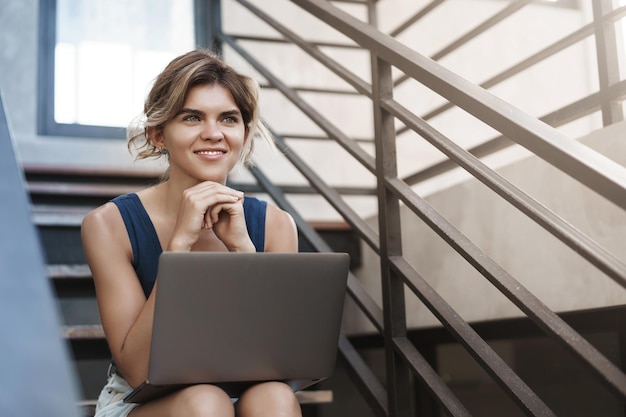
x=236, y=319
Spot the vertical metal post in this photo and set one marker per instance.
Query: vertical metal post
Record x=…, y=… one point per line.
x=608, y=65
x=621, y=348
x=389, y=222
x=208, y=24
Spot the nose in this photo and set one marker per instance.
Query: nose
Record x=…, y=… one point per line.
x=212, y=132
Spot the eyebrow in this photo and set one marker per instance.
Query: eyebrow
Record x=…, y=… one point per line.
x=190, y=111
x=233, y=112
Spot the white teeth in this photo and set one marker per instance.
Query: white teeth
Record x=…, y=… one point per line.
x=209, y=152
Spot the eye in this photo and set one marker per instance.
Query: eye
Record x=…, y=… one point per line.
x=230, y=119
x=191, y=118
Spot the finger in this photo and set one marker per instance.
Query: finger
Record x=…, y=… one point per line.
x=208, y=188
x=228, y=208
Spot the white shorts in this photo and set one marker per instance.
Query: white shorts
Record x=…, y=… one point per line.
x=111, y=400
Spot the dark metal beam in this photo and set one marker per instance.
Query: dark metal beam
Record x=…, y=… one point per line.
x=208, y=24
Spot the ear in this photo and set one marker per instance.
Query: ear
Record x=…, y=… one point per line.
x=155, y=136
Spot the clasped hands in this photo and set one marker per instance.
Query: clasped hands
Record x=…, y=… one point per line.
x=211, y=206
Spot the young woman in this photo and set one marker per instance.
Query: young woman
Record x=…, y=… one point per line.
x=202, y=116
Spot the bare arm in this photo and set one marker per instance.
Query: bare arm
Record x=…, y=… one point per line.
x=281, y=234
x=126, y=315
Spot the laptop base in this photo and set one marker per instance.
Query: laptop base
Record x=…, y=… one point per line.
x=148, y=392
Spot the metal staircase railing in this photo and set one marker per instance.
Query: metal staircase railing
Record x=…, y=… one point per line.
x=601, y=174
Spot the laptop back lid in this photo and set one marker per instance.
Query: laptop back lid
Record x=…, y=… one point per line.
x=245, y=317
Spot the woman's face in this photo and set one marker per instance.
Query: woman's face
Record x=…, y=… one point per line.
x=205, y=139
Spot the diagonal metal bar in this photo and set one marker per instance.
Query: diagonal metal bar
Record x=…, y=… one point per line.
x=477, y=347
x=333, y=197
x=267, y=39
x=592, y=169
x=366, y=380
x=559, y=228
x=559, y=117
x=527, y=63
x=542, y=55
x=355, y=288
x=431, y=380
x=484, y=26
x=375, y=393
x=359, y=85
x=546, y=319
x=481, y=28
x=351, y=146
x=417, y=16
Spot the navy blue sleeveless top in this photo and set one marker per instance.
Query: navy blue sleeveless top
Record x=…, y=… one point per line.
x=145, y=242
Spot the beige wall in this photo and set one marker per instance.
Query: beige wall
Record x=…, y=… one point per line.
x=551, y=271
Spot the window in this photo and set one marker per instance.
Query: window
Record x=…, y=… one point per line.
x=98, y=59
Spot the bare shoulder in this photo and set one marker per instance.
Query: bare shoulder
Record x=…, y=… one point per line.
x=103, y=228
x=101, y=219
x=281, y=234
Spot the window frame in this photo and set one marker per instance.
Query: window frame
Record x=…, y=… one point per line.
x=206, y=30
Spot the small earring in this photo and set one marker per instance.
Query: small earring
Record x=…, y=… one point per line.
x=163, y=151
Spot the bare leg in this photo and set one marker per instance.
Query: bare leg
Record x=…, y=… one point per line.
x=194, y=401
x=269, y=399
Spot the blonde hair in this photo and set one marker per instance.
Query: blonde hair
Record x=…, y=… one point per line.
x=169, y=92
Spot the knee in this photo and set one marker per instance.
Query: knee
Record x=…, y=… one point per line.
x=204, y=400
x=269, y=399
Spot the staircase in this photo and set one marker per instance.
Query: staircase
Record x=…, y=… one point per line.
x=60, y=198
x=413, y=348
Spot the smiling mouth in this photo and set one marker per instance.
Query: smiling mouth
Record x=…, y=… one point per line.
x=212, y=153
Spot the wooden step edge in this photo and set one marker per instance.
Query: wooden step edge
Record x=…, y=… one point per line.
x=323, y=396
x=57, y=220
x=304, y=397
x=83, y=331
x=63, y=271
x=80, y=189
x=39, y=208
x=58, y=215
x=138, y=171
